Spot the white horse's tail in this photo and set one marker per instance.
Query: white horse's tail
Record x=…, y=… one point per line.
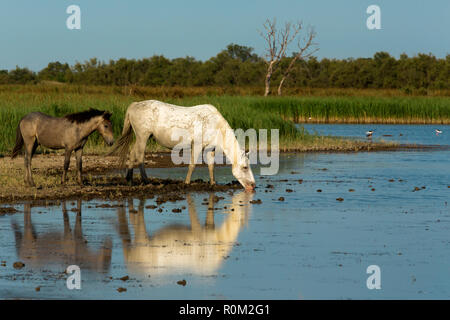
x=122, y=146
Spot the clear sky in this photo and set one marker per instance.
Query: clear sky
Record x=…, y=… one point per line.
x=34, y=32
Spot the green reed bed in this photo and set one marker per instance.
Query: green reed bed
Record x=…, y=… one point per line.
x=358, y=109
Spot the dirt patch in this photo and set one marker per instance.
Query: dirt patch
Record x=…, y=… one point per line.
x=102, y=179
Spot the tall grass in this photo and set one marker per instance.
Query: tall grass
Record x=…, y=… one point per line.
x=359, y=109
x=240, y=114
x=241, y=111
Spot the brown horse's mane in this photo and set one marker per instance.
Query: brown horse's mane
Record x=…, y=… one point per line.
x=84, y=116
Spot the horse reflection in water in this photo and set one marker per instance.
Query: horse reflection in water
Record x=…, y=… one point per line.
x=61, y=249
x=198, y=249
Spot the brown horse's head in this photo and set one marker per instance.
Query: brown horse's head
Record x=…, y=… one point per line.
x=105, y=128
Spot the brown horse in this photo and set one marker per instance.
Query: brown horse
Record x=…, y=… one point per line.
x=47, y=248
x=70, y=133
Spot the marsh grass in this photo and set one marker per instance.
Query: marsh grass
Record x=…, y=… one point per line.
x=241, y=111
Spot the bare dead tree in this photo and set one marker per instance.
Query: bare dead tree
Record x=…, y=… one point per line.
x=306, y=49
x=277, y=43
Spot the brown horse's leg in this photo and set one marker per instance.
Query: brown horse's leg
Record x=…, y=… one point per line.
x=79, y=155
x=30, y=148
x=66, y=165
x=26, y=161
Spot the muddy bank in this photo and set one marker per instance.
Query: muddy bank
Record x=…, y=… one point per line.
x=115, y=188
x=103, y=178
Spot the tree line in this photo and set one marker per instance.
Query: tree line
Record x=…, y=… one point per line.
x=239, y=66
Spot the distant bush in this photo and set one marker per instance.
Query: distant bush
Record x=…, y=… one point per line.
x=238, y=66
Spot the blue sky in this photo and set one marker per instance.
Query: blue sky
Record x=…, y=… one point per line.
x=33, y=33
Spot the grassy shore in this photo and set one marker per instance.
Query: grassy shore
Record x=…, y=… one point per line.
x=244, y=112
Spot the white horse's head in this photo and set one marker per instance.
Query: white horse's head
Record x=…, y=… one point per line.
x=243, y=173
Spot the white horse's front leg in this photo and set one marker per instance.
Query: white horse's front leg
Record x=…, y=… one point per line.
x=210, y=159
x=191, y=164
x=189, y=174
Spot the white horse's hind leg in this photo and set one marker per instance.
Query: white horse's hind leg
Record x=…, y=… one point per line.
x=137, y=155
x=141, y=142
x=210, y=159
x=130, y=166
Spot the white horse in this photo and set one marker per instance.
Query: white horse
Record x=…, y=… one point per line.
x=177, y=248
x=162, y=120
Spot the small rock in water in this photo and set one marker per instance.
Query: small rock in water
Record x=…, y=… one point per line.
x=125, y=278
x=37, y=289
x=319, y=190
x=351, y=190
x=258, y=201
x=18, y=265
x=176, y=210
x=182, y=282
x=281, y=199
x=289, y=190
x=4, y=210
x=340, y=199
x=121, y=289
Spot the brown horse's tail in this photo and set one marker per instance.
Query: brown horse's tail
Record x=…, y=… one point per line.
x=19, y=143
x=123, y=143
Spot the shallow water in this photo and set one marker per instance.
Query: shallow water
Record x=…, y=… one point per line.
x=405, y=134
x=309, y=246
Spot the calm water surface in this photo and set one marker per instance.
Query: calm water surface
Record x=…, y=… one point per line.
x=309, y=246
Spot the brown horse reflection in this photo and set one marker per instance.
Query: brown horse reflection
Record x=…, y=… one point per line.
x=55, y=248
x=199, y=249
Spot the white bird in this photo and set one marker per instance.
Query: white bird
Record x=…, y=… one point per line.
x=369, y=134
x=438, y=132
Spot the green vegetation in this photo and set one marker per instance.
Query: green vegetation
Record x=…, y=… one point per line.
x=241, y=112
x=239, y=66
x=358, y=109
